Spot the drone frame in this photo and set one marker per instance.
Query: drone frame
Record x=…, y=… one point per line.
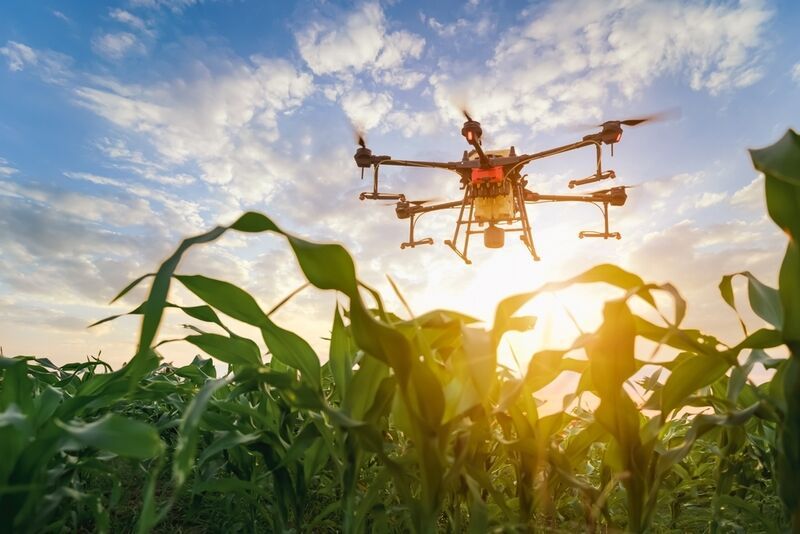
x=511, y=164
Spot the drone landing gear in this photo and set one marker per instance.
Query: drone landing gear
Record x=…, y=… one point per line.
x=377, y=195
x=411, y=243
x=381, y=196
x=519, y=215
x=605, y=234
x=527, y=235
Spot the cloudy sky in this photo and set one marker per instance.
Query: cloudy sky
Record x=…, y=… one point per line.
x=126, y=126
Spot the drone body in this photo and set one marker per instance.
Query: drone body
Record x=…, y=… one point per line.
x=495, y=196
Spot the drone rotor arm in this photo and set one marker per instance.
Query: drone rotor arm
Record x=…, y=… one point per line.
x=451, y=166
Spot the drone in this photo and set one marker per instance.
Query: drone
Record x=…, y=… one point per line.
x=496, y=196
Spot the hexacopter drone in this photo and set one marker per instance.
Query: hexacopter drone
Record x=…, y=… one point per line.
x=495, y=193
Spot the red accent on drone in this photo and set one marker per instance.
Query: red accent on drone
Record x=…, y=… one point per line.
x=491, y=175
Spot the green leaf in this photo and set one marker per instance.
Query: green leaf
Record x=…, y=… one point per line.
x=364, y=386
x=781, y=160
x=694, y=372
x=546, y=365
x=780, y=164
x=131, y=286
x=607, y=273
x=788, y=461
x=426, y=396
x=340, y=355
x=752, y=510
x=764, y=300
x=145, y=359
x=760, y=339
x=789, y=283
x=701, y=424
x=224, y=441
x=17, y=387
x=232, y=350
x=307, y=437
x=117, y=434
x=233, y=301
x=186, y=446
x=479, y=359
x=610, y=350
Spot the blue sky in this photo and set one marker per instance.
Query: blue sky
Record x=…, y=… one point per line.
x=128, y=125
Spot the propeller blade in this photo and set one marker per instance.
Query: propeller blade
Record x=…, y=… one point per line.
x=604, y=191
x=578, y=128
x=415, y=202
x=425, y=201
x=661, y=116
x=460, y=102
x=358, y=135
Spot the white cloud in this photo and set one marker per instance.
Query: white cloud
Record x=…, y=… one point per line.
x=460, y=27
x=5, y=168
x=751, y=196
x=796, y=73
x=366, y=110
x=126, y=17
x=568, y=58
x=183, y=216
x=52, y=67
x=173, y=5
x=115, y=46
x=220, y=122
x=124, y=158
x=694, y=257
x=59, y=15
x=412, y=123
x=18, y=55
x=401, y=78
x=397, y=47
x=356, y=41
x=224, y=122
x=709, y=199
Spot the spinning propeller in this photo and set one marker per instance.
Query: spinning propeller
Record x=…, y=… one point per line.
x=612, y=130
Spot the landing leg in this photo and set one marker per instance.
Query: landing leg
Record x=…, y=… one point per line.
x=605, y=234
x=527, y=235
x=452, y=243
x=411, y=241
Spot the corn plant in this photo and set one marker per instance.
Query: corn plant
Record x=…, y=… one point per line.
x=411, y=424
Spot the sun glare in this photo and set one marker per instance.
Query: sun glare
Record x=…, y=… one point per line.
x=560, y=316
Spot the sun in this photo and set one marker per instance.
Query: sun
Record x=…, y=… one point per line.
x=561, y=316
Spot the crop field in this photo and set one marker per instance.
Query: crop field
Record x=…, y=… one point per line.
x=411, y=425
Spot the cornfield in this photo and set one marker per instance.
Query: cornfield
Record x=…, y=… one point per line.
x=411, y=424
